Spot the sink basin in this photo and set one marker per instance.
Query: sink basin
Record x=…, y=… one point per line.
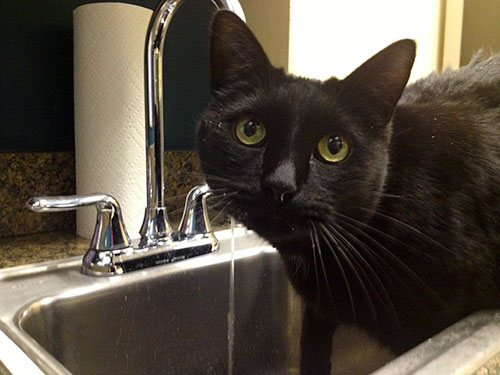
x=171, y=319
x=187, y=318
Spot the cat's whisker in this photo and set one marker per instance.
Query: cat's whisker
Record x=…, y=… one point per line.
x=180, y=208
x=316, y=239
x=226, y=198
x=378, y=244
x=384, y=297
x=344, y=251
x=385, y=235
x=407, y=226
x=408, y=271
x=375, y=256
x=342, y=271
x=221, y=211
x=350, y=249
x=377, y=259
x=221, y=194
x=214, y=202
x=313, y=247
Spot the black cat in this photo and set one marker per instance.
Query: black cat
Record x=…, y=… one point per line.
x=383, y=201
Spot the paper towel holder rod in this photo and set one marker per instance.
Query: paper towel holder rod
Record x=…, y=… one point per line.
x=156, y=226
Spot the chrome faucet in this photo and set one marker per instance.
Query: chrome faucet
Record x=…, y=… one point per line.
x=156, y=224
x=111, y=252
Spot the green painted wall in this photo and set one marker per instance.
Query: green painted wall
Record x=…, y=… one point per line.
x=36, y=73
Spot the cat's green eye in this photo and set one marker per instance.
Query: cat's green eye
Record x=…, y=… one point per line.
x=333, y=148
x=250, y=131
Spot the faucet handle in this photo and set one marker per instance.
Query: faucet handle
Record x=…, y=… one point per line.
x=156, y=227
x=109, y=232
x=195, y=218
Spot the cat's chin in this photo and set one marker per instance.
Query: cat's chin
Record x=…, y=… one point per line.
x=283, y=235
x=284, y=225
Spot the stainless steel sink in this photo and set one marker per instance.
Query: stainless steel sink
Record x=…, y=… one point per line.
x=172, y=319
x=185, y=318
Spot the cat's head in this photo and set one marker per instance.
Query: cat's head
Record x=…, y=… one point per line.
x=288, y=150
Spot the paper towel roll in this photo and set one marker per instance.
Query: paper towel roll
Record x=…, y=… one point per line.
x=109, y=43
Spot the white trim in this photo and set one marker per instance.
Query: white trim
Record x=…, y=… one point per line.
x=14, y=359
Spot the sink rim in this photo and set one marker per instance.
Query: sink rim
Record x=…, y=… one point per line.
x=17, y=298
x=19, y=292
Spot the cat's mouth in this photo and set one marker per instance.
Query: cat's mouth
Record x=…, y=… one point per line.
x=258, y=212
x=266, y=214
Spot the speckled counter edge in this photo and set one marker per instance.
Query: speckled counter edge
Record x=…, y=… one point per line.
x=492, y=367
x=40, y=247
x=23, y=175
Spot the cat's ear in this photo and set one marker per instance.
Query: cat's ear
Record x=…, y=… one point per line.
x=235, y=53
x=375, y=87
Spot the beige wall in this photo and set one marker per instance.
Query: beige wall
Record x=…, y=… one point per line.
x=452, y=44
x=268, y=19
x=481, y=27
x=470, y=26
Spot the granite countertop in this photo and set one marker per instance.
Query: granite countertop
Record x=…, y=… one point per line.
x=34, y=248
x=492, y=367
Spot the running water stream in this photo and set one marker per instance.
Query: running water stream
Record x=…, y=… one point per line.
x=230, y=314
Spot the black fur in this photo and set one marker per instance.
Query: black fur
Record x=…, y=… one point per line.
x=403, y=237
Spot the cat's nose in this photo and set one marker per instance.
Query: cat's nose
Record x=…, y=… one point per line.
x=280, y=185
x=278, y=193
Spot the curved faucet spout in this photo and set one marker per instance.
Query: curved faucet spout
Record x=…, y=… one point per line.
x=156, y=226
x=111, y=252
